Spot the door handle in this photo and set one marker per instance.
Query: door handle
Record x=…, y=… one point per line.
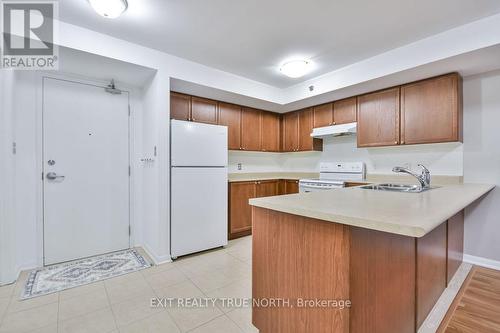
x=53, y=176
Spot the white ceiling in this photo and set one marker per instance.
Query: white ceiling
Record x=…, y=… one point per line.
x=251, y=38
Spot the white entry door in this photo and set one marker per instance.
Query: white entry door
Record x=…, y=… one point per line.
x=85, y=171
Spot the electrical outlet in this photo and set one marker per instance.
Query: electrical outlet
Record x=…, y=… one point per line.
x=240, y=166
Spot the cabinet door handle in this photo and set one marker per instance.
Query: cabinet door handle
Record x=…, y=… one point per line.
x=402, y=142
x=395, y=142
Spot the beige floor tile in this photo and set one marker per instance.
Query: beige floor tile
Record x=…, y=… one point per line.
x=243, y=318
x=238, y=289
x=189, y=318
x=120, y=292
x=158, y=269
x=4, y=303
x=52, y=328
x=211, y=281
x=95, y=322
x=243, y=254
x=124, y=278
x=80, y=305
x=157, y=323
x=17, y=304
x=213, y=263
x=81, y=290
x=180, y=290
x=161, y=280
x=239, y=271
x=220, y=324
x=31, y=319
x=6, y=291
x=132, y=310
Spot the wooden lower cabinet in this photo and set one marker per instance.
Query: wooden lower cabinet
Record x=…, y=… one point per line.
x=392, y=281
x=240, y=212
x=289, y=186
x=431, y=271
x=382, y=282
x=267, y=188
x=455, y=231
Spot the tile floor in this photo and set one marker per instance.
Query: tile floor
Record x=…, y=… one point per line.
x=122, y=304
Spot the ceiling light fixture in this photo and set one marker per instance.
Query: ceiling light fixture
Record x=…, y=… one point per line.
x=295, y=68
x=109, y=8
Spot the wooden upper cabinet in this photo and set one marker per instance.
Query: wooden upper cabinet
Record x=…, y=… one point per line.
x=203, y=110
x=180, y=106
x=230, y=116
x=431, y=110
x=291, y=131
x=378, y=118
x=323, y=115
x=251, y=129
x=306, y=142
x=344, y=111
x=270, y=131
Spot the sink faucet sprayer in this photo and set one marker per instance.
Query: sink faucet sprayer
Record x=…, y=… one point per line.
x=424, y=178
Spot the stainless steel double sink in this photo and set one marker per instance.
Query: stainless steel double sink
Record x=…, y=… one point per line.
x=396, y=188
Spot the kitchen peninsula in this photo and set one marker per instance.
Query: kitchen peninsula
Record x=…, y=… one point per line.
x=391, y=254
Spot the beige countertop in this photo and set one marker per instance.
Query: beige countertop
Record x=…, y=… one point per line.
x=408, y=214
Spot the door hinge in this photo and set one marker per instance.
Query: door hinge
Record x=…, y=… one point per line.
x=129, y=230
x=129, y=110
x=14, y=148
x=129, y=171
x=42, y=175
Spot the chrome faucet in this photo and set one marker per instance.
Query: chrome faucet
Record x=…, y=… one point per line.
x=424, y=178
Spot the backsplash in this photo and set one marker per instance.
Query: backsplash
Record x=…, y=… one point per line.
x=441, y=159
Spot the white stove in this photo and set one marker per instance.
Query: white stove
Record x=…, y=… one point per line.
x=334, y=175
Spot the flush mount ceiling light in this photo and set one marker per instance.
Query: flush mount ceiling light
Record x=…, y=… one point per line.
x=109, y=8
x=295, y=68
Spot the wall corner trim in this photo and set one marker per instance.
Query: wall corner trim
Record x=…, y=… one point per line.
x=480, y=261
x=157, y=260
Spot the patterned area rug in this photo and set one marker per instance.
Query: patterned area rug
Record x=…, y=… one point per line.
x=59, y=277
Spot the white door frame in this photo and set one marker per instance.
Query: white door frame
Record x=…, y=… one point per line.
x=40, y=161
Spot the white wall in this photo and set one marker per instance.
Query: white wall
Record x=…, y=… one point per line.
x=156, y=180
x=26, y=107
x=441, y=159
x=7, y=228
x=482, y=163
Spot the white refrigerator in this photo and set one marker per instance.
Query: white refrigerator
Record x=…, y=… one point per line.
x=198, y=187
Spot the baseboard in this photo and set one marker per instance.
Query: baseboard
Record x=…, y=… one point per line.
x=157, y=260
x=480, y=261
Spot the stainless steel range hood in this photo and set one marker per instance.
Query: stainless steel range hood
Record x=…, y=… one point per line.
x=335, y=130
